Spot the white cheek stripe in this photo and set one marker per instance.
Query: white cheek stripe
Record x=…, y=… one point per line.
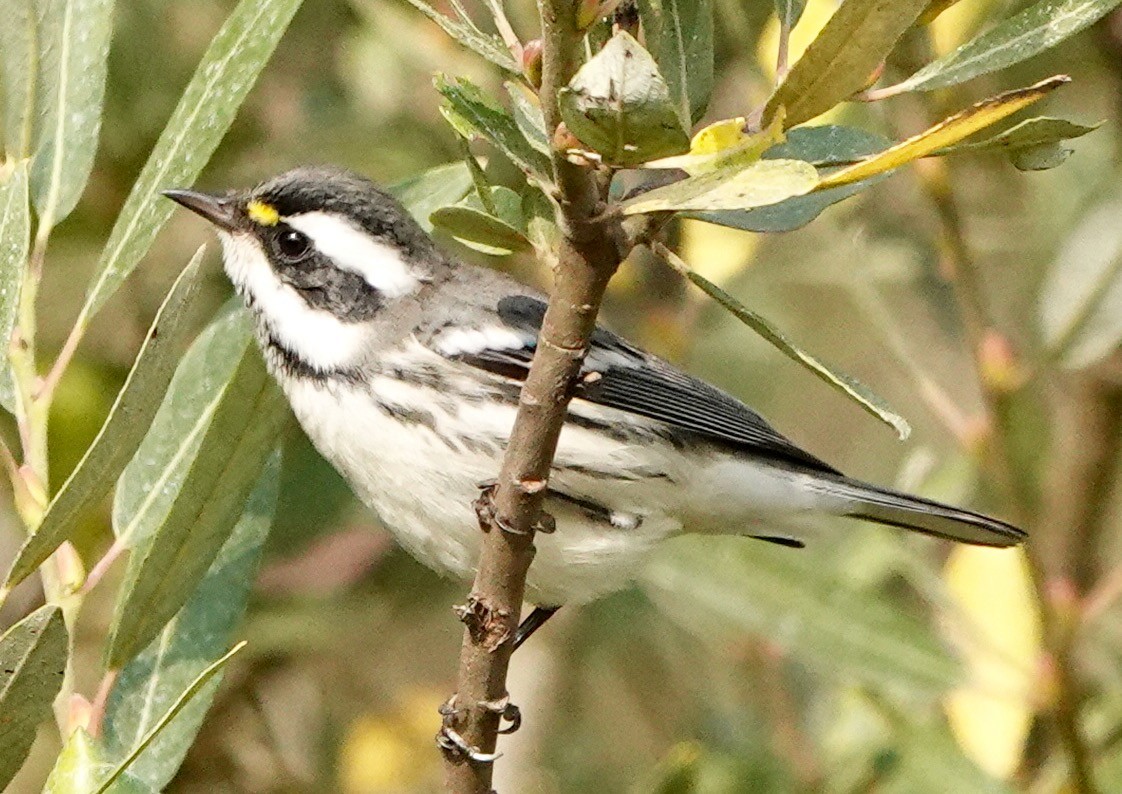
x=315, y=335
x=353, y=249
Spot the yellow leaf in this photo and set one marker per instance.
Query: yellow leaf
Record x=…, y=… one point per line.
x=718, y=136
x=392, y=752
x=716, y=252
x=996, y=628
x=724, y=144
x=947, y=132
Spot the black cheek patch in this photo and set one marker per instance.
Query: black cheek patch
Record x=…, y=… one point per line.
x=322, y=285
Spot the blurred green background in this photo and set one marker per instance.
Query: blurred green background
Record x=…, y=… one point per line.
x=714, y=674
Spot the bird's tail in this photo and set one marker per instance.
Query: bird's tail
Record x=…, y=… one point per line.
x=871, y=502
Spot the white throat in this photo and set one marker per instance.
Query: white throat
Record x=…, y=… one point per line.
x=316, y=336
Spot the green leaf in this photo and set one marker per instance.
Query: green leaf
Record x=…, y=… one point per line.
x=463, y=30
x=618, y=105
x=838, y=63
x=81, y=767
x=124, y=428
x=472, y=114
x=1039, y=158
x=151, y=682
x=789, y=12
x=764, y=182
x=228, y=69
x=179, y=498
x=850, y=387
x=1081, y=300
x=721, y=587
x=73, y=57
x=180, y=703
x=680, y=35
x=1032, y=145
x=528, y=117
x=1030, y=132
x=19, y=55
x=499, y=234
x=32, y=664
x=1017, y=38
x=826, y=146
x=15, y=242
x=429, y=190
x=541, y=225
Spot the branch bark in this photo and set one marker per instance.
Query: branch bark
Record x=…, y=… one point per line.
x=511, y=512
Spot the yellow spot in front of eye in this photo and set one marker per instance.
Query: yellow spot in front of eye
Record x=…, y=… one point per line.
x=262, y=213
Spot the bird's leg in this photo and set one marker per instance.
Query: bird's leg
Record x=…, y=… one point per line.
x=534, y=621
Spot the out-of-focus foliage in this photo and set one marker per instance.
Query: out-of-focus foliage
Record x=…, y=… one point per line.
x=866, y=662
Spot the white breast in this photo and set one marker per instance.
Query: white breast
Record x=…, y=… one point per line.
x=422, y=488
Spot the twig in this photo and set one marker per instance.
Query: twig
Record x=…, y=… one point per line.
x=503, y=26
x=783, y=50
x=509, y=514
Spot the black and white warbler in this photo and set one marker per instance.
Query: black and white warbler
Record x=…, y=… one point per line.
x=404, y=367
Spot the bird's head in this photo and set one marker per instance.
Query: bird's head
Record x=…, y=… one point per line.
x=316, y=253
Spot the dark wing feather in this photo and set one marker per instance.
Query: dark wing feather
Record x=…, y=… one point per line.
x=630, y=380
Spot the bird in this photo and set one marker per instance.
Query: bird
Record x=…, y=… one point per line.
x=404, y=365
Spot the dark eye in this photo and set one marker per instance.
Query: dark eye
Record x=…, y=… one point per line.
x=293, y=245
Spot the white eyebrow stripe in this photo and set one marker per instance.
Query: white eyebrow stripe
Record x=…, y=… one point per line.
x=349, y=247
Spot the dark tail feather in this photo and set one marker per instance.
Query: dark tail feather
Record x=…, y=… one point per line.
x=921, y=515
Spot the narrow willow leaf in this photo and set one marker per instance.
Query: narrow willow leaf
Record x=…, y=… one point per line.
x=1018, y=38
x=498, y=234
x=227, y=71
x=463, y=30
x=428, y=191
x=947, y=132
x=680, y=36
x=1030, y=133
x=81, y=767
x=32, y=664
x=1081, y=300
x=850, y=387
x=149, y=482
x=789, y=11
x=618, y=105
x=837, y=64
x=74, y=53
x=827, y=147
x=179, y=527
x=123, y=430
x=19, y=55
x=764, y=182
x=472, y=114
x=180, y=703
x=15, y=241
x=721, y=588
x=151, y=682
